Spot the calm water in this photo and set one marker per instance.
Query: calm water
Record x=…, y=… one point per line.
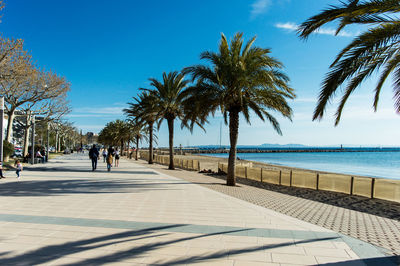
x=374, y=164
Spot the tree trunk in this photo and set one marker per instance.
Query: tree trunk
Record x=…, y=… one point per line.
x=122, y=147
x=233, y=136
x=56, y=143
x=26, y=136
x=137, y=148
x=151, y=143
x=171, y=143
x=59, y=144
x=26, y=139
x=10, y=120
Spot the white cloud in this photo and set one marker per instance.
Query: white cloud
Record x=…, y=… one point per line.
x=287, y=26
x=259, y=7
x=100, y=110
x=290, y=26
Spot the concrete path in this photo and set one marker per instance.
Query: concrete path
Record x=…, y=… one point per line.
x=63, y=214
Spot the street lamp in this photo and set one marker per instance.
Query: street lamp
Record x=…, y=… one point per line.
x=1, y=128
x=48, y=141
x=33, y=141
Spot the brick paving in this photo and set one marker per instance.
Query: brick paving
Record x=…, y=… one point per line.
x=374, y=229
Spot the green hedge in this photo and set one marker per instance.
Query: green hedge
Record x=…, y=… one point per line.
x=8, y=148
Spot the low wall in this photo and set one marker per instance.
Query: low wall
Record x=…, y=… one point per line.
x=192, y=165
x=379, y=188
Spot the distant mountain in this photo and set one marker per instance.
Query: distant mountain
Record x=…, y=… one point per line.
x=268, y=145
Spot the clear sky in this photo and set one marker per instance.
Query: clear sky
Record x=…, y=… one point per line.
x=108, y=49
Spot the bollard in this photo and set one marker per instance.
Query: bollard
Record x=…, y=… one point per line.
x=352, y=185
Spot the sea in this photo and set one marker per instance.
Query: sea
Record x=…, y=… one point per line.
x=379, y=163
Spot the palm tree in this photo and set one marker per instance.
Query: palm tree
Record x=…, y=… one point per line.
x=139, y=131
x=121, y=131
x=374, y=49
x=170, y=94
x=240, y=80
x=144, y=109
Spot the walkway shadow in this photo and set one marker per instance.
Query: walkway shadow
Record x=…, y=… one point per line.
x=54, y=252
x=85, y=170
x=385, y=261
x=77, y=186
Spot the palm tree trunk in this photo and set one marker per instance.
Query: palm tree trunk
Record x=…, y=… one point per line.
x=137, y=148
x=171, y=144
x=122, y=147
x=233, y=136
x=151, y=143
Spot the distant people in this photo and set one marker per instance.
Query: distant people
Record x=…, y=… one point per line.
x=18, y=166
x=93, y=155
x=116, y=158
x=104, y=155
x=43, y=153
x=39, y=156
x=1, y=170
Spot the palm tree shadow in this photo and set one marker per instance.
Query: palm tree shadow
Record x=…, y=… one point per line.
x=79, y=186
x=86, y=170
x=118, y=256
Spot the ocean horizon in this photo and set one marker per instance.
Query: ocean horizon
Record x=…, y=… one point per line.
x=378, y=164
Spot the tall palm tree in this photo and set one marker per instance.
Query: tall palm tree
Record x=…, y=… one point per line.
x=170, y=94
x=144, y=109
x=240, y=80
x=139, y=131
x=374, y=49
x=121, y=131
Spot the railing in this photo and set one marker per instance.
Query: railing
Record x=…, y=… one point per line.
x=192, y=165
x=379, y=188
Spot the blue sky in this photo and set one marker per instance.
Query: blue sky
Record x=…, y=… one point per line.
x=108, y=49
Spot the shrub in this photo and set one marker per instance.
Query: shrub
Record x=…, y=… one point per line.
x=8, y=148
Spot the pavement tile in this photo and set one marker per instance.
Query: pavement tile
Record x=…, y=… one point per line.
x=287, y=250
x=293, y=259
x=326, y=252
x=254, y=263
x=259, y=256
x=326, y=260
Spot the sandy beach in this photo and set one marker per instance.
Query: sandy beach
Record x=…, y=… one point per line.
x=208, y=162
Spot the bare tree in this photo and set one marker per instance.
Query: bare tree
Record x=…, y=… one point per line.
x=34, y=92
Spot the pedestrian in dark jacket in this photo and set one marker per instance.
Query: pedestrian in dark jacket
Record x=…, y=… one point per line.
x=93, y=155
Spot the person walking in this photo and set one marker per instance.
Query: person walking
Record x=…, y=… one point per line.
x=110, y=154
x=104, y=155
x=109, y=161
x=116, y=158
x=93, y=155
x=19, y=168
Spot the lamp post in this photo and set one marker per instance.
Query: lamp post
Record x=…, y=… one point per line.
x=1, y=128
x=33, y=141
x=48, y=142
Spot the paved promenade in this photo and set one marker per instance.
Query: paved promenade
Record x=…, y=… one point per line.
x=62, y=213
